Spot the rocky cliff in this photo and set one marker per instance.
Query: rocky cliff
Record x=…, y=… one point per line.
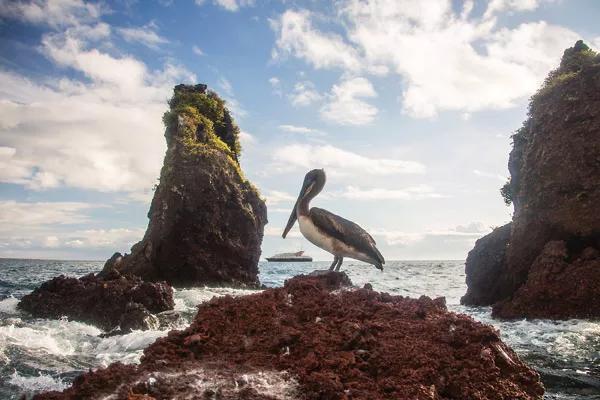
x=317, y=339
x=555, y=188
x=206, y=220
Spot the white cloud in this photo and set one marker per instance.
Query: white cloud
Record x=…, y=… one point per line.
x=300, y=129
x=227, y=93
x=55, y=13
x=497, y=6
x=15, y=215
x=275, y=231
x=447, y=59
x=304, y=94
x=345, y=106
x=409, y=193
x=225, y=85
x=26, y=227
x=484, y=174
x=275, y=83
x=229, y=5
x=473, y=227
x=246, y=139
x=113, y=239
x=277, y=197
x=338, y=161
x=100, y=132
x=197, y=51
x=407, y=239
x=145, y=35
x=296, y=36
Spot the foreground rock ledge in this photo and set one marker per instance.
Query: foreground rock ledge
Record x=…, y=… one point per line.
x=313, y=339
x=112, y=302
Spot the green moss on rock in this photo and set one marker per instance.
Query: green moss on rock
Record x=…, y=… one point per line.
x=573, y=61
x=198, y=118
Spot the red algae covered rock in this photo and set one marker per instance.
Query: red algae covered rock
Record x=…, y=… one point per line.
x=112, y=302
x=316, y=338
x=559, y=286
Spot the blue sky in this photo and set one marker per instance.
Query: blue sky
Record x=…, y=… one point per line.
x=409, y=107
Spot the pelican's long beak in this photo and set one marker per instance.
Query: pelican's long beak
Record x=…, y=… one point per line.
x=292, y=219
x=306, y=188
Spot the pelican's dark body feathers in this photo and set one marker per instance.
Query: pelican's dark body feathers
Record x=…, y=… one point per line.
x=346, y=232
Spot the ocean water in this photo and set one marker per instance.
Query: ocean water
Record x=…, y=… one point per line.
x=41, y=354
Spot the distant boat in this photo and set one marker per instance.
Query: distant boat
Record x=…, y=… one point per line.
x=290, y=257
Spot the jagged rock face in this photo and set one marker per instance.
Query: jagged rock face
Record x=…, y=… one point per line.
x=560, y=285
x=486, y=269
x=114, y=302
x=316, y=339
x=555, y=188
x=206, y=221
x=555, y=164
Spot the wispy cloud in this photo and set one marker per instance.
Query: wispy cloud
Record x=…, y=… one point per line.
x=406, y=239
x=304, y=94
x=53, y=13
x=145, y=35
x=197, y=50
x=300, y=129
x=484, y=174
x=275, y=197
x=229, y=5
x=29, y=226
x=345, y=105
x=275, y=83
x=409, y=193
x=339, y=161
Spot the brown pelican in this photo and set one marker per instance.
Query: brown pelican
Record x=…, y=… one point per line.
x=332, y=233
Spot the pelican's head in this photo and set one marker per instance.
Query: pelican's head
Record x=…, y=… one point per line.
x=313, y=184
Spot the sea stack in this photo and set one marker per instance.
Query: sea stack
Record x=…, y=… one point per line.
x=551, y=267
x=206, y=219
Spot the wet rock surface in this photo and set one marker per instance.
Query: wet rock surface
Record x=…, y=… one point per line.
x=114, y=302
x=317, y=338
x=555, y=188
x=206, y=220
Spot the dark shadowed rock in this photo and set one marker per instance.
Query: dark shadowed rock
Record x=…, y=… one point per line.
x=316, y=338
x=486, y=269
x=206, y=220
x=555, y=189
x=559, y=285
x=113, y=302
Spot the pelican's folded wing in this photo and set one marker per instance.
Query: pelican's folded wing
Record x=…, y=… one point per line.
x=345, y=231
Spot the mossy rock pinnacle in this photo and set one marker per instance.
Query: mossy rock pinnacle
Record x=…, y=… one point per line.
x=206, y=220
